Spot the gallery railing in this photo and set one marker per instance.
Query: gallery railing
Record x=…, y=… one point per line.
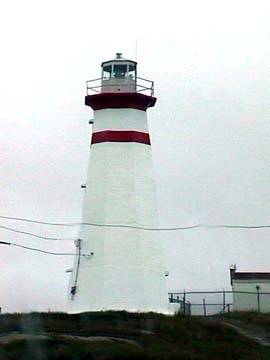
x=102, y=85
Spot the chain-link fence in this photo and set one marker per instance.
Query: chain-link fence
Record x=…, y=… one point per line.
x=214, y=302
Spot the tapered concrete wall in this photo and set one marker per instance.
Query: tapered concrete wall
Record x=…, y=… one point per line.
x=126, y=271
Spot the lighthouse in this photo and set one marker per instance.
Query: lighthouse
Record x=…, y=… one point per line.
x=124, y=266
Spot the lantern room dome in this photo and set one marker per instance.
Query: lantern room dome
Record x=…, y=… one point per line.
x=118, y=58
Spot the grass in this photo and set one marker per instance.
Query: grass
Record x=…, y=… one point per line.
x=157, y=336
x=251, y=317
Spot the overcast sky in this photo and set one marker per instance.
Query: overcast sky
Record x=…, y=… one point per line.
x=209, y=129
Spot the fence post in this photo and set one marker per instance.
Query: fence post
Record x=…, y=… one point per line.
x=204, y=307
x=184, y=302
x=224, y=301
x=258, y=298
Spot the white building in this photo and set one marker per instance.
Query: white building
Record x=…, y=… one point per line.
x=251, y=290
x=124, y=268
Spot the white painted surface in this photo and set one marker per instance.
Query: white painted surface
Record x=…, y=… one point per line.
x=120, y=119
x=126, y=84
x=126, y=271
x=245, y=302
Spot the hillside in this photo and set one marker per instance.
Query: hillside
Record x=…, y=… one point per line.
x=122, y=335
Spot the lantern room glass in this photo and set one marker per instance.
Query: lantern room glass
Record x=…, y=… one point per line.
x=119, y=69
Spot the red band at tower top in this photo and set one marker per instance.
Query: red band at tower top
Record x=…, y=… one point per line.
x=115, y=100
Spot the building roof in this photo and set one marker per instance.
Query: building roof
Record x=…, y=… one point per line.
x=118, y=58
x=251, y=276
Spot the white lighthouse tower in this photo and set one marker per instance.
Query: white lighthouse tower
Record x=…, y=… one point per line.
x=125, y=268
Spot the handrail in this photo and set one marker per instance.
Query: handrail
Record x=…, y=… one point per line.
x=141, y=85
x=218, y=292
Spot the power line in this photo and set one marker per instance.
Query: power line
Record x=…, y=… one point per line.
x=236, y=226
x=43, y=251
x=38, y=222
x=35, y=235
x=177, y=228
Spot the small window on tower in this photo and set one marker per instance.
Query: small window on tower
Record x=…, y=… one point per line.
x=107, y=71
x=132, y=71
x=120, y=71
x=132, y=67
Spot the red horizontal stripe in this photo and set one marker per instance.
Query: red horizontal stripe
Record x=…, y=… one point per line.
x=120, y=136
x=120, y=100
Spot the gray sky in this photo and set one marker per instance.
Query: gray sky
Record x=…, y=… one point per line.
x=210, y=132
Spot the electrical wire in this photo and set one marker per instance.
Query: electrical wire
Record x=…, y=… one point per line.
x=177, y=228
x=37, y=222
x=237, y=226
x=35, y=235
x=43, y=251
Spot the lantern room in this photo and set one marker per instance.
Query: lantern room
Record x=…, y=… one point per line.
x=118, y=75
